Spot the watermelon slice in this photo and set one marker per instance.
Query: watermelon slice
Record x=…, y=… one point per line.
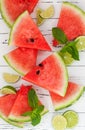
x=21, y=59
x=50, y=74
x=11, y=9
x=25, y=33
x=74, y=91
x=71, y=21
x=6, y=103
x=21, y=105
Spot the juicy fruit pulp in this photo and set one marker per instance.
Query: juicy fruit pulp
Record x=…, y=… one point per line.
x=6, y=103
x=73, y=93
x=20, y=105
x=10, y=13
x=50, y=74
x=8, y=90
x=71, y=21
x=72, y=118
x=27, y=35
x=49, y=12
x=10, y=78
x=59, y=122
x=22, y=59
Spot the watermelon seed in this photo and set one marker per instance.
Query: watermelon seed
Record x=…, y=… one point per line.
x=31, y=40
x=41, y=65
x=38, y=72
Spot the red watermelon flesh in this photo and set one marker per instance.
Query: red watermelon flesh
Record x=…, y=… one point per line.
x=11, y=9
x=25, y=33
x=6, y=103
x=71, y=21
x=21, y=104
x=21, y=59
x=50, y=74
x=74, y=91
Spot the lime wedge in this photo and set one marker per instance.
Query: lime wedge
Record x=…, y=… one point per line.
x=8, y=90
x=66, y=57
x=40, y=20
x=49, y=12
x=81, y=43
x=10, y=78
x=72, y=118
x=59, y=122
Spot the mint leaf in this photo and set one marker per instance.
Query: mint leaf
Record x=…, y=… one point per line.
x=71, y=48
x=35, y=118
x=28, y=113
x=39, y=109
x=33, y=99
x=59, y=35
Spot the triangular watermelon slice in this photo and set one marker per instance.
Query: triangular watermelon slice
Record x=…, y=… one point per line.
x=74, y=91
x=21, y=59
x=6, y=103
x=50, y=74
x=11, y=9
x=71, y=21
x=21, y=105
x=25, y=33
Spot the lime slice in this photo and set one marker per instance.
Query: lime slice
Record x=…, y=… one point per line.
x=59, y=122
x=49, y=12
x=10, y=78
x=8, y=90
x=66, y=57
x=72, y=118
x=40, y=20
x=81, y=43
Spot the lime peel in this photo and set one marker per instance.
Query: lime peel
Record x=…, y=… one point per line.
x=40, y=20
x=80, y=43
x=71, y=117
x=10, y=78
x=8, y=90
x=48, y=13
x=59, y=122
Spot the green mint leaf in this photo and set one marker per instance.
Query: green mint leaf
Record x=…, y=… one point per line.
x=28, y=113
x=35, y=118
x=59, y=35
x=32, y=98
x=71, y=48
x=39, y=109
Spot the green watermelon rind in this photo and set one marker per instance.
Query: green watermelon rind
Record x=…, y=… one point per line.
x=65, y=74
x=16, y=23
x=24, y=118
x=76, y=8
x=3, y=12
x=69, y=103
x=17, y=124
x=11, y=65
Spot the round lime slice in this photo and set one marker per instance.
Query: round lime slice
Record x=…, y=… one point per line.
x=48, y=13
x=59, y=122
x=39, y=19
x=8, y=90
x=80, y=43
x=10, y=78
x=72, y=118
x=66, y=57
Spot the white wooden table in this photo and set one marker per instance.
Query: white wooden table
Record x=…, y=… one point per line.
x=76, y=71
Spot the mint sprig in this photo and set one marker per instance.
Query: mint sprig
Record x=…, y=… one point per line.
x=32, y=98
x=35, y=114
x=59, y=35
x=70, y=46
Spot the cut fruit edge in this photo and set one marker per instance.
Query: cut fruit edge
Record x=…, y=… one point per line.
x=24, y=118
x=17, y=124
